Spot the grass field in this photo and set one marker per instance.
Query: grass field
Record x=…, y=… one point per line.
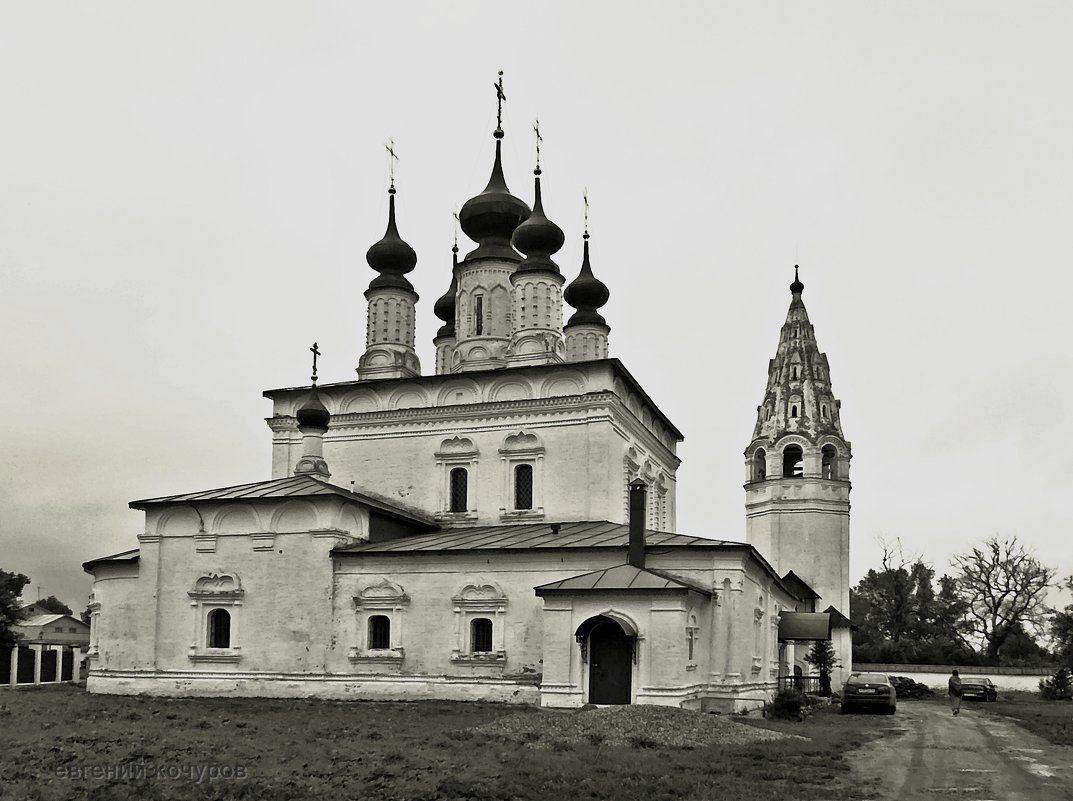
x=61, y=743
x=1052, y=720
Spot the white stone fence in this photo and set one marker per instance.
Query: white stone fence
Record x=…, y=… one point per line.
x=936, y=676
x=30, y=664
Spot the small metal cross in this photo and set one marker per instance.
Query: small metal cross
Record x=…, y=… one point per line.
x=393, y=157
x=539, y=139
x=585, y=197
x=500, y=97
x=316, y=352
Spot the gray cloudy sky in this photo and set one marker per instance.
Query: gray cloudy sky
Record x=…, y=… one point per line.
x=187, y=191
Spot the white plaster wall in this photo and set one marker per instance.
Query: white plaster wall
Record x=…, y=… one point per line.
x=385, y=436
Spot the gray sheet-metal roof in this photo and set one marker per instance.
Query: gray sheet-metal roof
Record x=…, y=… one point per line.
x=39, y=620
x=799, y=586
x=590, y=534
x=620, y=577
x=289, y=487
x=794, y=626
x=125, y=556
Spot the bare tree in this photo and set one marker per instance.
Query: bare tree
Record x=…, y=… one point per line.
x=1003, y=586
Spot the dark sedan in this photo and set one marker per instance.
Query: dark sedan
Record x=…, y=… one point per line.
x=978, y=688
x=869, y=691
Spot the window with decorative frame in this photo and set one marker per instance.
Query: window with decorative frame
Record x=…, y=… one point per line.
x=480, y=609
x=522, y=459
x=456, y=461
x=379, y=610
x=216, y=600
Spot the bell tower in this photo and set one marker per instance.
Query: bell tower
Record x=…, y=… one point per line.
x=797, y=472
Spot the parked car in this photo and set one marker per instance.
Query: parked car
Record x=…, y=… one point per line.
x=911, y=688
x=978, y=688
x=869, y=691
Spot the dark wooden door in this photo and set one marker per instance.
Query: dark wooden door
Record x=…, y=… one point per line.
x=610, y=664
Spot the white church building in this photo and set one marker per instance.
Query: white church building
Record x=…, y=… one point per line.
x=503, y=529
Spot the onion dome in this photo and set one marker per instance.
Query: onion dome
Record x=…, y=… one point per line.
x=313, y=413
x=445, y=306
x=797, y=287
x=586, y=293
x=391, y=256
x=489, y=219
x=538, y=237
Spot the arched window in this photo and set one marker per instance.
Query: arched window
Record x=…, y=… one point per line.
x=379, y=632
x=793, y=411
x=829, y=466
x=794, y=374
x=478, y=315
x=219, y=629
x=823, y=410
x=792, y=462
x=480, y=635
x=523, y=486
x=459, y=489
x=759, y=465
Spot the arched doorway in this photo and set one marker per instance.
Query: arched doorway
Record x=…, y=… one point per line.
x=610, y=651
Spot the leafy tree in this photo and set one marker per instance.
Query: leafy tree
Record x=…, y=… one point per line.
x=11, y=585
x=902, y=619
x=54, y=605
x=1062, y=630
x=822, y=657
x=1003, y=587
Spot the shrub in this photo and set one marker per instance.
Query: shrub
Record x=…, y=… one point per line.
x=1057, y=687
x=787, y=705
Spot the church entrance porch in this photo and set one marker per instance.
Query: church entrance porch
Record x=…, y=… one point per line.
x=610, y=656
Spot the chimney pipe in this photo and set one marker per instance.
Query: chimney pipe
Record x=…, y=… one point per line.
x=638, y=495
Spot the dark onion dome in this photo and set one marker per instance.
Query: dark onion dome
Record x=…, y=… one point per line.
x=391, y=257
x=489, y=219
x=445, y=306
x=797, y=287
x=538, y=237
x=586, y=293
x=313, y=413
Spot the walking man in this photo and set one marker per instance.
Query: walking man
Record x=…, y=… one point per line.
x=954, y=689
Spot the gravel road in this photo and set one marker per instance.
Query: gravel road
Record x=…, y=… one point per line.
x=971, y=757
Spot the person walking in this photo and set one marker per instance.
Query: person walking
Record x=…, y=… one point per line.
x=953, y=687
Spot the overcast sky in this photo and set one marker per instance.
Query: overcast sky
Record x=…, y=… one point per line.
x=187, y=192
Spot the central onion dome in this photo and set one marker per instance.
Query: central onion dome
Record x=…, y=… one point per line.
x=313, y=413
x=444, y=308
x=586, y=293
x=489, y=219
x=538, y=237
x=391, y=256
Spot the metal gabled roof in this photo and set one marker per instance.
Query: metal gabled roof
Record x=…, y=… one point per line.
x=586, y=534
x=39, y=620
x=289, y=487
x=620, y=577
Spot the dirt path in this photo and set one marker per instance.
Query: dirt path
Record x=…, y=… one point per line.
x=972, y=756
